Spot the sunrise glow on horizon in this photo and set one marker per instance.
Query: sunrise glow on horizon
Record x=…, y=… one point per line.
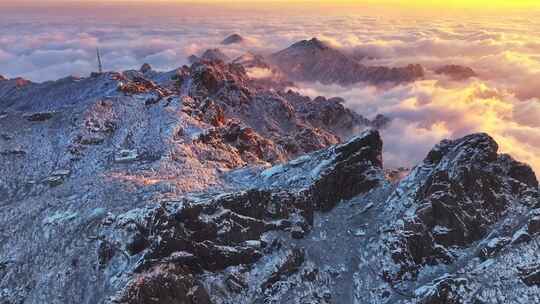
x=402, y=4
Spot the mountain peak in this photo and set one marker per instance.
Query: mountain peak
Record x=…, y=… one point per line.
x=313, y=43
x=233, y=39
x=146, y=67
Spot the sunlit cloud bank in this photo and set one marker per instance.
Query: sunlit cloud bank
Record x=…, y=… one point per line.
x=425, y=112
x=504, y=51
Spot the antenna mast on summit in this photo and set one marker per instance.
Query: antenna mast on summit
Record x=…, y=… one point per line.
x=100, y=66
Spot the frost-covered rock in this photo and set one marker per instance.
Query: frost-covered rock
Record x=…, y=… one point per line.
x=463, y=205
x=219, y=232
x=466, y=188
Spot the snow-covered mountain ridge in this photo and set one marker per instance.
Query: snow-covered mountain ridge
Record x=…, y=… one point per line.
x=207, y=185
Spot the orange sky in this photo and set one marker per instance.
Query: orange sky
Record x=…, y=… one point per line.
x=413, y=8
x=477, y=4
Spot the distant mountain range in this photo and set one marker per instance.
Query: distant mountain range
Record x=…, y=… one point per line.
x=317, y=61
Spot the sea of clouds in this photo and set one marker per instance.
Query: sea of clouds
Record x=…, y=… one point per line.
x=504, y=100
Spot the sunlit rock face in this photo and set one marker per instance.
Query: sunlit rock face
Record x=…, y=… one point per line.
x=206, y=185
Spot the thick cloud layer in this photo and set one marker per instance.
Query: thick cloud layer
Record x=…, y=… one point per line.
x=504, y=51
x=427, y=111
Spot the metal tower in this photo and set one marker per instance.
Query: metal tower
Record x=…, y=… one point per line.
x=100, y=66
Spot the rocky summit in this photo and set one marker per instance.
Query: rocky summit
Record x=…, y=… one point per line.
x=233, y=39
x=207, y=185
x=316, y=60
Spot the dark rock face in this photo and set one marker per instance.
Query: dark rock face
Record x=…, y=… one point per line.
x=315, y=60
x=43, y=116
x=166, y=284
x=459, y=201
x=226, y=231
x=456, y=72
x=233, y=39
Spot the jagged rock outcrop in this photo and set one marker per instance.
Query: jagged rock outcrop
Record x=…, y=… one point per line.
x=460, y=200
x=315, y=60
x=294, y=123
x=462, y=206
x=227, y=230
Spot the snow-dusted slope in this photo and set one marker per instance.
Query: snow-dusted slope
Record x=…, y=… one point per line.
x=203, y=185
x=75, y=150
